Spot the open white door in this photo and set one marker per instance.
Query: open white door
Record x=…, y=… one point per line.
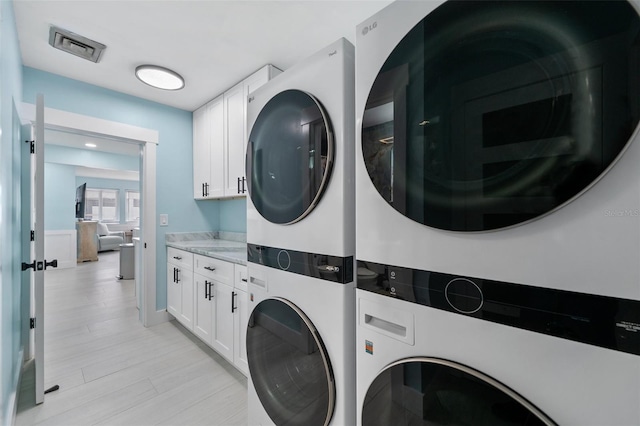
x=37, y=262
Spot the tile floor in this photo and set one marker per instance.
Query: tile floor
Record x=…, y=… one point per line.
x=113, y=371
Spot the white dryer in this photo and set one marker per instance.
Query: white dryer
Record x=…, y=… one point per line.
x=498, y=203
x=301, y=243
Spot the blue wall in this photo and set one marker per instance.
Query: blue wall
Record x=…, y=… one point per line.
x=233, y=215
x=59, y=197
x=11, y=309
x=174, y=177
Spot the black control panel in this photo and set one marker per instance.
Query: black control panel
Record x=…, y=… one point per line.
x=607, y=322
x=321, y=266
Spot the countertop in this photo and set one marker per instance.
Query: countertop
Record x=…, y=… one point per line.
x=227, y=250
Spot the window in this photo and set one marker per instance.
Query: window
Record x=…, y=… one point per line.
x=102, y=205
x=132, y=210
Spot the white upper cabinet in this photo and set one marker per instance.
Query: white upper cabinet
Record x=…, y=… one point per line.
x=234, y=108
x=220, y=139
x=208, y=150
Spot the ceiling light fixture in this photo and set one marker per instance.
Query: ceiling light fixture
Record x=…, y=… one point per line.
x=90, y=145
x=159, y=77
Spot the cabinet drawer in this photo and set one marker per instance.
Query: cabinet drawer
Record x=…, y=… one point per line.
x=180, y=258
x=215, y=269
x=240, y=277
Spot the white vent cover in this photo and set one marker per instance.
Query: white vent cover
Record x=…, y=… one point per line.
x=75, y=44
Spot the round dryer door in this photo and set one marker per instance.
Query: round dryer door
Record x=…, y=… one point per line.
x=289, y=365
x=489, y=114
x=431, y=391
x=289, y=157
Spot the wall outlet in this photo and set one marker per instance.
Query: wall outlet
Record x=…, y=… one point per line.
x=164, y=220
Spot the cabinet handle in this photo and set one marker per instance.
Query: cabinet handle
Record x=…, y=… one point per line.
x=244, y=280
x=177, y=257
x=174, y=275
x=177, y=275
x=209, y=268
x=206, y=189
x=206, y=289
x=233, y=301
x=210, y=290
x=244, y=179
x=203, y=189
x=239, y=186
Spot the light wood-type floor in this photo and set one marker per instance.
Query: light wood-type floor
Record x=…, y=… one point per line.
x=113, y=371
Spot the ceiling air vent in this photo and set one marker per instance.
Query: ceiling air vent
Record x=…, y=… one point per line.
x=75, y=44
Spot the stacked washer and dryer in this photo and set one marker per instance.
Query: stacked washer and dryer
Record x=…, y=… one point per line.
x=301, y=244
x=497, y=213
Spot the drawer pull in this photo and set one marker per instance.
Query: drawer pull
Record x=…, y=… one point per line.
x=244, y=280
x=177, y=257
x=209, y=268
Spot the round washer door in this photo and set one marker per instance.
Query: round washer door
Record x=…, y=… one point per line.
x=489, y=114
x=289, y=157
x=289, y=365
x=432, y=391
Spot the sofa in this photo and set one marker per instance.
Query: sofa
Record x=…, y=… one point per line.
x=108, y=240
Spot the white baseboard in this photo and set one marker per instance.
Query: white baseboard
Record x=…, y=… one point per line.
x=157, y=317
x=61, y=245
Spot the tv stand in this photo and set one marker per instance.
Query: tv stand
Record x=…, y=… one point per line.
x=87, y=241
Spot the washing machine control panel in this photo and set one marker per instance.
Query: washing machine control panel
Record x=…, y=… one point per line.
x=608, y=322
x=329, y=268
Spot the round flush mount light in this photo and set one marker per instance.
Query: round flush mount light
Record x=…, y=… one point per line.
x=159, y=77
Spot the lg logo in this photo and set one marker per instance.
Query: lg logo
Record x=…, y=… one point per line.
x=368, y=28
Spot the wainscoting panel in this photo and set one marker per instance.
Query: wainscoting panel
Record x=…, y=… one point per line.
x=61, y=245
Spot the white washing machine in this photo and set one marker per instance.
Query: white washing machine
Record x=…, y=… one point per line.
x=301, y=243
x=498, y=205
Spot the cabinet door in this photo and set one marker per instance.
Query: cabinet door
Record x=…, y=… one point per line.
x=203, y=306
x=216, y=116
x=240, y=319
x=234, y=112
x=201, y=152
x=185, y=277
x=222, y=337
x=174, y=293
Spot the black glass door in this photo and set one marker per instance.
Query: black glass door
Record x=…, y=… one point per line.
x=489, y=114
x=289, y=365
x=289, y=157
x=430, y=392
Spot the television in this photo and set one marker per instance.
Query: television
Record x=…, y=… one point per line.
x=80, y=200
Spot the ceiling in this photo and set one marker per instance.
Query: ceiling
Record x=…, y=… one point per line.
x=213, y=44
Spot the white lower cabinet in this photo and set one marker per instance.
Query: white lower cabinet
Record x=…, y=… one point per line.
x=180, y=286
x=218, y=304
x=241, y=319
x=223, y=320
x=203, y=304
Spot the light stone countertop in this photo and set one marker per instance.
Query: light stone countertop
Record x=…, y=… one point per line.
x=229, y=250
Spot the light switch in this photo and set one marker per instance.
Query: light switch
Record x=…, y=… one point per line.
x=164, y=220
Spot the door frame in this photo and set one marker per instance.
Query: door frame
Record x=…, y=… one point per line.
x=148, y=140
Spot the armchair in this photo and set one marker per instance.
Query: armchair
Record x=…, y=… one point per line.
x=108, y=240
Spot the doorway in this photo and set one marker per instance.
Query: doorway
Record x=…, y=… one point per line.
x=147, y=139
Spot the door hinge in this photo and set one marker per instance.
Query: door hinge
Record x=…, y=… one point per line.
x=33, y=235
x=32, y=323
x=32, y=146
